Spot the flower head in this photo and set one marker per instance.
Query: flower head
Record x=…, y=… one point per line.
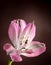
x=21, y=36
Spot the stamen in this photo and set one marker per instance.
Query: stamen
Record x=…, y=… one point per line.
x=18, y=22
x=26, y=41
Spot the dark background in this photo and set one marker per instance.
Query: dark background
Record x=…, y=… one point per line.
x=40, y=12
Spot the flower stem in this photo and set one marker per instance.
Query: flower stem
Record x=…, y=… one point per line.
x=10, y=62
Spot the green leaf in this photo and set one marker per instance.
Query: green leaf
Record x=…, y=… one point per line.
x=10, y=62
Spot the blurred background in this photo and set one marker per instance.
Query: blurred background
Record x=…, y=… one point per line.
x=40, y=12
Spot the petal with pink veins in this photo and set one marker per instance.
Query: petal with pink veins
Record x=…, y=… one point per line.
x=8, y=48
x=25, y=33
x=26, y=30
x=11, y=51
x=15, y=56
x=22, y=24
x=13, y=32
x=32, y=33
x=34, y=49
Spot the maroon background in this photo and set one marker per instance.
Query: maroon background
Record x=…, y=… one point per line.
x=29, y=11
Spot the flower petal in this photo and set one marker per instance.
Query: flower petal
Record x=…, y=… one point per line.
x=12, y=52
x=28, y=33
x=25, y=33
x=35, y=49
x=15, y=56
x=22, y=24
x=8, y=47
x=14, y=32
x=27, y=28
x=32, y=33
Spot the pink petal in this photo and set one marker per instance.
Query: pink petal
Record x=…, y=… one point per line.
x=13, y=32
x=24, y=34
x=27, y=29
x=32, y=33
x=35, y=49
x=22, y=24
x=12, y=52
x=28, y=53
x=8, y=47
x=15, y=56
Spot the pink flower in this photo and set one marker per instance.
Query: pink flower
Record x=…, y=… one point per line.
x=21, y=36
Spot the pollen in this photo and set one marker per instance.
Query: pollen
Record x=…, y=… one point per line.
x=26, y=41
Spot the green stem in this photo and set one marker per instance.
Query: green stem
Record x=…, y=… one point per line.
x=10, y=62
